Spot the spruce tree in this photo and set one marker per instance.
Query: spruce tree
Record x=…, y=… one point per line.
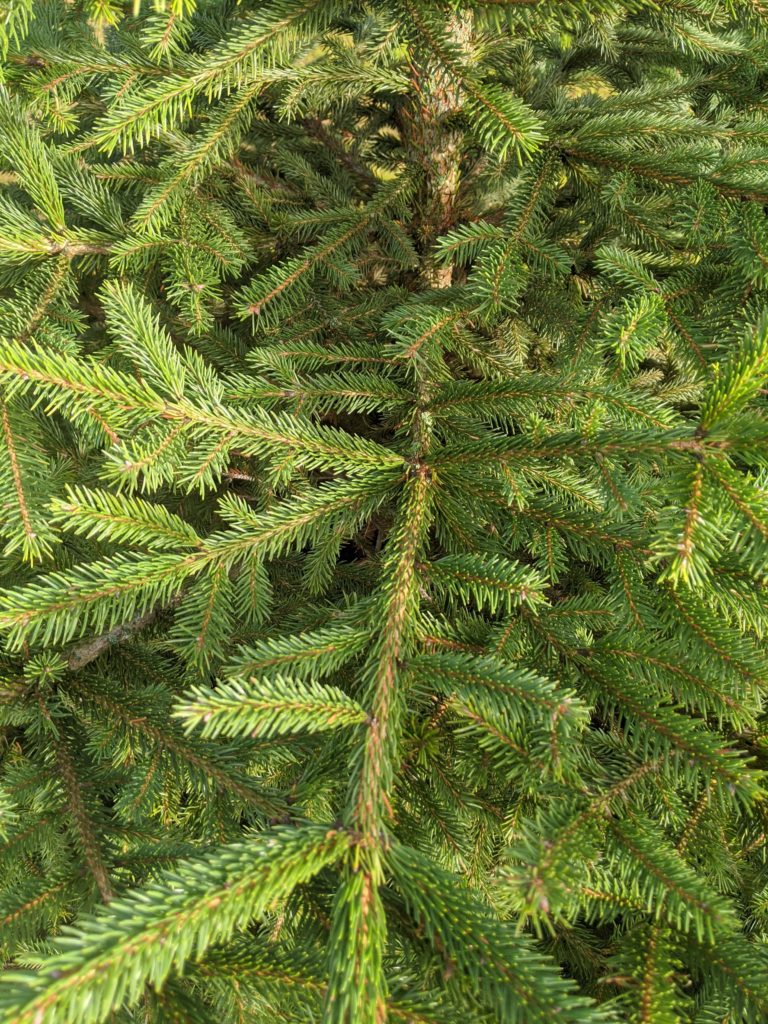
x=384, y=511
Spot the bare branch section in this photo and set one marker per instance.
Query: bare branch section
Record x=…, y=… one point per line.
x=83, y=654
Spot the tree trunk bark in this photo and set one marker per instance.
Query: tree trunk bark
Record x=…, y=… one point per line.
x=436, y=145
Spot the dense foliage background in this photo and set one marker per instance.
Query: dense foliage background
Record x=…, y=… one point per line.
x=384, y=511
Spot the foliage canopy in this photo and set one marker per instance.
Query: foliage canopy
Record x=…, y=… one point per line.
x=384, y=511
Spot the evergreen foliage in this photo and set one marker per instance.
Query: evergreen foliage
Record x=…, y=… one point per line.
x=384, y=511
